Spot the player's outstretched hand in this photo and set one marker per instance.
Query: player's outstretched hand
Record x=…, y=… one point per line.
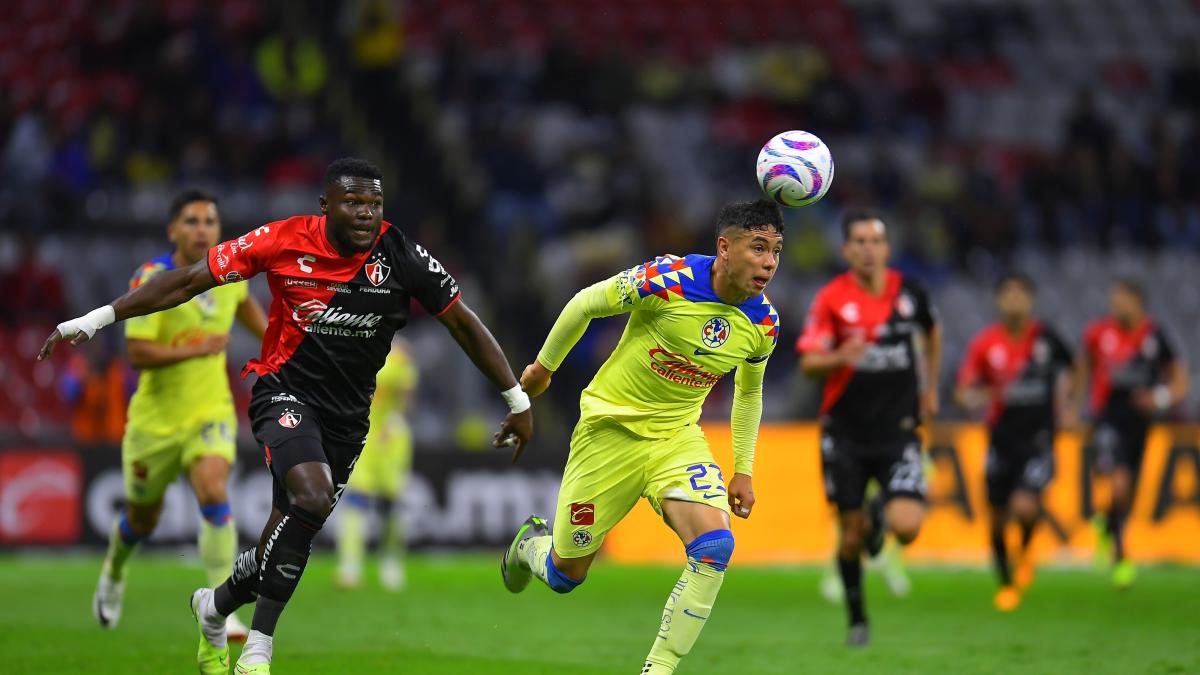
x=515, y=432
x=741, y=495
x=53, y=340
x=535, y=379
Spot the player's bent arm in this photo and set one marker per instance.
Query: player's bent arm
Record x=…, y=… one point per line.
x=148, y=354
x=595, y=301
x=251, y=315
x=746, y=414
x=163, y=291
x=817, y=364
x=1177, y=385
x=970, y=396
x=933, y=364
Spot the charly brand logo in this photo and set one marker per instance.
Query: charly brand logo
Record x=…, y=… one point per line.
x=314, y=316
x=680, y=369
x=583, y=514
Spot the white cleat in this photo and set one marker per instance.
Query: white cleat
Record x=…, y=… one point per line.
x=106, y=603
x=235, y=630
x=391, y=575
x=831, y=587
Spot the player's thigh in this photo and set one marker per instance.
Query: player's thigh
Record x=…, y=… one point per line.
x=602, y=481
x=208, y=456
x=691, y=519
x=846, y=472
x=149, y=464
x=682, y=469
x=289, y=432
x=1000, y=477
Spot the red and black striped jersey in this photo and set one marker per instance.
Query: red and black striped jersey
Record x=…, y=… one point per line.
x=1021, y=372
x=878, y=397
x=332, y=318
x=1123, y=360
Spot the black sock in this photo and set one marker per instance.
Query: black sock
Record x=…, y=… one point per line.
x=851, y=571
x=242, y=585
x=1027, y=534
x=1116, y=530
x=1000, y=555
x=283, y=561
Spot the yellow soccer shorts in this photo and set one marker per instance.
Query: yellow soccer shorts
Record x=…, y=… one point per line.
x=151, y=462
x=610, y=468
x=383, y=466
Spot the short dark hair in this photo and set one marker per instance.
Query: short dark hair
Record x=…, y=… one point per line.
x=751, y=215
x=857, y=215
x=1131, y=286
x=352, y=167
x=1020, y=278
x=187, y=197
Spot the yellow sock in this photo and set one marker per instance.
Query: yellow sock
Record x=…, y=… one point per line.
x=691, y=601
x=351, y=540
x=218, y=546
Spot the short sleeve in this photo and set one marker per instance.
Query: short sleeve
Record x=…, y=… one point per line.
x=819, y=326
x=926, y=314
x=428, y=281
x=973, y=366
x=239, y=259
x=144, y=327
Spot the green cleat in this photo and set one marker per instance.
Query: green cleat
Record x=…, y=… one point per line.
x=256, y=669
x=213, y=660
x=514, y=571
x=1123, y=575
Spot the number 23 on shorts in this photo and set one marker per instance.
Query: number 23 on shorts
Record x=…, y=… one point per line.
x=709, y=490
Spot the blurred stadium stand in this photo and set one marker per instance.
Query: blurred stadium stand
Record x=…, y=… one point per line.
x=536, y=146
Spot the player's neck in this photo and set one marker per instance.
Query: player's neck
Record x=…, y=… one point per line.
x=1127, y=323
x=1016, y=326
x=872, y=282
x=723, y=285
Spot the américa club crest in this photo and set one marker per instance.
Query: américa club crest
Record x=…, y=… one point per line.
x=715, y=332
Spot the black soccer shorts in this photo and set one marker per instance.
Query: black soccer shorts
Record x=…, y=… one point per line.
x=1022, y=463
x=848, y=464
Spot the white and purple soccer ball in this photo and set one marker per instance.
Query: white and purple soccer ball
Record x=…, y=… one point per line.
x=795, y=168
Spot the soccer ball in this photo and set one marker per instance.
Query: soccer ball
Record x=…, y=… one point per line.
x=795, y=168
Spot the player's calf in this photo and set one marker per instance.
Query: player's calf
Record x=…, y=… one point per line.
x=904, y=516
x=691, y=600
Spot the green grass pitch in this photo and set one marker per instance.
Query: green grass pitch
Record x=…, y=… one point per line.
x=456, y=618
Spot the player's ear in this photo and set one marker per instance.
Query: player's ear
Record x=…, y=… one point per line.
x=324, y=204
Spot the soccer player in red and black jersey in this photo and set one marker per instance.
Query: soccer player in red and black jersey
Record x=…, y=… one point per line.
x=1019, y=369
x=876, y=339
x=341, y=284
x=1137, y=375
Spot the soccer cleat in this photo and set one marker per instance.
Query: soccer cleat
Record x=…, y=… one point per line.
x=346, y=579
x=894, y=573
x=878, y=527
x=859, y=636
x=1104, y=542
x=831, y=587
x=211, y=659
x=1007, y=599
x=1123, y=575
x=235, y=630
x=655, y=669
x=1024, y=574
x=256, y=669
x=515, y=573
x=391, y=574
x=106, y=603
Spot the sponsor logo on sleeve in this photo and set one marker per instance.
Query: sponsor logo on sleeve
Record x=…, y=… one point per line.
x=583, y=514
x=290, y=419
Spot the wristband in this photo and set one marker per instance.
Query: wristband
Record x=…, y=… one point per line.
x=1162, y=397
x=517, y=399
x=88, y=323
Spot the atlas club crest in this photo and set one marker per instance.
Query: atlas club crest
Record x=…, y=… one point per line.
x=289, y=419
x=377, y=272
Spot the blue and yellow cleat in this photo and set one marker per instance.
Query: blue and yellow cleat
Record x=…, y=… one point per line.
x=213, y=660
x=515, y=572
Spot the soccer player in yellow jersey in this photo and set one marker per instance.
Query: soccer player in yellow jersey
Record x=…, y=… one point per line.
x=380, y=476
x=692, y=320
x=181, y=417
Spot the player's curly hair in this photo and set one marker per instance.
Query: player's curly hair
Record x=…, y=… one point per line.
x=751, y=215
x=187, y=197
x=351, y=167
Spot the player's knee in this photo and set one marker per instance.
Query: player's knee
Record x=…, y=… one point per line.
x=1024, y=508
x=565, y=577
x=713, y=548
x=141, y=520
x=316, y=501
x=850, y=543
x=211, y=493
x=216, y=514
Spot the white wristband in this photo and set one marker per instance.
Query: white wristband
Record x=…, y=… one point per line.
x=517, y=399
x=88, y=323
x=1162, y=397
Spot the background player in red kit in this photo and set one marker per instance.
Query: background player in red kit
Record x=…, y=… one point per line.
x=1137, y=375
x=1017, y=368
x=866, y=333
x=341, y=284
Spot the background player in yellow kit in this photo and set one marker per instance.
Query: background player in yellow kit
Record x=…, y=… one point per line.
x=692, y=321
x=181, y=417
x=380, y=476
